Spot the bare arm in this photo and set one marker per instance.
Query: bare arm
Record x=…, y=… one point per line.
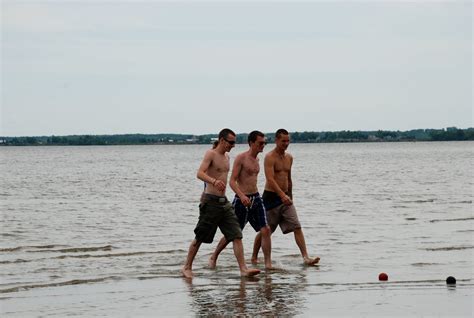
x=269, y=165
x=204, y=167
x=236, y=169
x=290, y=181
x=205, y=164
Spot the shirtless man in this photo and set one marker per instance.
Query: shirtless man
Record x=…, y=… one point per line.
x=247, y=203
x=215, y=210
x=278, y=197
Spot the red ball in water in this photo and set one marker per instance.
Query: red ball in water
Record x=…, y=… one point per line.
x=383, y=277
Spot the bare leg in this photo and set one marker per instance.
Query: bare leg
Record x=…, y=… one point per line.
x=256, y=247
x=239, y=254
x=187, y=269
x=265, y=234
x=219, y=248
x=300, y=241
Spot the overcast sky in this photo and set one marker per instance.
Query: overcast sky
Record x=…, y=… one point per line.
x=110, y=67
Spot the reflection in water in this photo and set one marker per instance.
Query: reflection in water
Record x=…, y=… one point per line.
x=270, y=294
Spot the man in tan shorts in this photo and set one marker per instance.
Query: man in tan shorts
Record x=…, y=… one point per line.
x=278, y=197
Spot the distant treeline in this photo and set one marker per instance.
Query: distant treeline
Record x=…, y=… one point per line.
x=448, y=134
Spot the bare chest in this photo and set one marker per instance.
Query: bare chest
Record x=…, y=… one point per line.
x=220, y=165
x=251, y=166
x=282, y=165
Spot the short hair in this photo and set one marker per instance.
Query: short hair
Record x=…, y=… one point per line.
x=280, y=132
x=225, y=132
x=253, y=136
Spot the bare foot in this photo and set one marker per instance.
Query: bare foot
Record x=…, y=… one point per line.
x=275, y=269
x=249, y=272
x=187, y=273
x=254, y=261
x=212, y=263
x=268, y=266
x=311, y=261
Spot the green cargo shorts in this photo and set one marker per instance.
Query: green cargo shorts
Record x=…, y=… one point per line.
x=216, y=212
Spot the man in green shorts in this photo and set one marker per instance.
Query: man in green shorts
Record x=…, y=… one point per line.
x=248, y=204
x=215, y=210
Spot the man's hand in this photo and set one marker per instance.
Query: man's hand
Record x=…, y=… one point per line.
x=286, y=200
x=220, y=185
x=245, y=200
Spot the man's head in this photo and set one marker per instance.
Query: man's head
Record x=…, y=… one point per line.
x=256, y=140
x=227, y=139
x=282, y=139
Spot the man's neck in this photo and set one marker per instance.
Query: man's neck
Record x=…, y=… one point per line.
x=280, y=152
x=220, y=149
x=253, y=153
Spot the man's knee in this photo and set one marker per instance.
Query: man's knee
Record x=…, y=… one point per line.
x=266, y=231
x=237, y=241
x=298, y=231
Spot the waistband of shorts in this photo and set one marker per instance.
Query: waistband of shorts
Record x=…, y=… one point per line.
x=272, y=195
x=214, y=198
x=271, y=200
x=255, y=195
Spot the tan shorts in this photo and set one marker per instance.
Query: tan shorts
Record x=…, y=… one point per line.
x=285, y=216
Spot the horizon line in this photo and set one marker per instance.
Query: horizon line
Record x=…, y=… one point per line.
x=216, y=133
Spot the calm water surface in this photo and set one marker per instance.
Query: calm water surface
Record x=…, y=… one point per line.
x=104, y=230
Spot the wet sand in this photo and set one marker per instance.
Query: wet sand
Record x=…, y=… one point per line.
x=304, y=292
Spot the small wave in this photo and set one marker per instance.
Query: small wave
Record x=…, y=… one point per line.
x=18, y=248
x=118, y=254
x=399, y=282
x=452, y=220
x=79, y=249
x=179, y=251
x=420, y=201
x=424, y=264
x=463, y=202
x=13, y=249
x=17, y=261
x=103, y=255
x=410, y=219
x=450, y=248
x=66, y=283
x=10, y=235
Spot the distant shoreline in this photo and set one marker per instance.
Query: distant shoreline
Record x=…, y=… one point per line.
x=345, y=136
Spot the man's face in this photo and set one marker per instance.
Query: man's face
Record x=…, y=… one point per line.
x=229, y=142
x=283, y=141
x=259, y=144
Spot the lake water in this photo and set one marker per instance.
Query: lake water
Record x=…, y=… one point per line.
x=100, y=231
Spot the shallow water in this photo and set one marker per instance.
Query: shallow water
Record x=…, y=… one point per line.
x=104, y=231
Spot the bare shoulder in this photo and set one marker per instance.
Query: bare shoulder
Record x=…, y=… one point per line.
x=240, y=156
x=239, y=161
x=210, y=154
x=270, y=157
x=269, y=154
